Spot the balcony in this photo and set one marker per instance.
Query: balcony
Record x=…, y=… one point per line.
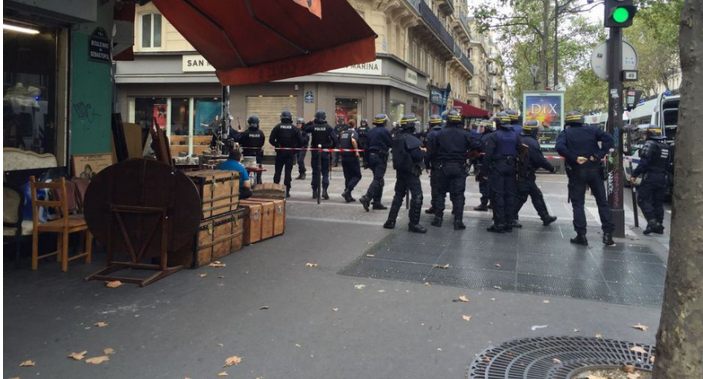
x=435, y=25
x=446, y=6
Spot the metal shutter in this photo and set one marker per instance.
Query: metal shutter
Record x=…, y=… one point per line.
x=269, y=109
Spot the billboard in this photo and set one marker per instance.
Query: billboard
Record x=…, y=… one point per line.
x=548, y=109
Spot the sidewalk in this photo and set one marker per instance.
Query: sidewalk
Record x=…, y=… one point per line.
x=318, y=324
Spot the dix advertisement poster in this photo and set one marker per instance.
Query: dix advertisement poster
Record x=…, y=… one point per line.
x=548, y=109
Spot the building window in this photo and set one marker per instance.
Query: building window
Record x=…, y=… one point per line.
x=347, y=109
x=470, y=53
x=151, y=30
x=469, y=85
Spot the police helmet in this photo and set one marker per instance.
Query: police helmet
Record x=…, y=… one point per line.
x=380, y=119
x=531, y=127
x=408, y=122
x=435, y=119
x=488, y=126
x=651, y=131
x=253, y=121
x=286, y=116
x=363, y=121
x=300, y=120
x=502, y=119
x=574, y=118
x=340, y=119
x=453, y=118
x=320, y=116
x=513, y=114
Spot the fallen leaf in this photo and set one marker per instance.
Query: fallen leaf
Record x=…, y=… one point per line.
x=497, y=287
x=27, y=364
x=221, y=345
x=311, y=265
x=232, y=361
x=100, y=324
x=638, y=349
x=443, y=267
x=545, y=301
x=427, y=284
x=640, y=327
x=576, y=330
x=113, y=284
x=486, y=359
x=599, y=336
x=203, y=275
x=78, y=356
x=464, y=299
x=439, y=349
x=335, y=309
x=556, y=361
x=634, y=375
x=264, y=307
x=596, y=377
x=628, y=369
x=493, y=299
x=381, y=291
x=651, y=359
x=223, y=373
x=359, y=286
x=498, y=265
x=218, y=264
x=370, y=255
x=221, y=277
x=466, y=317
x=535, y=327
x=97, y=360
x=370, y=242
x=297, y=345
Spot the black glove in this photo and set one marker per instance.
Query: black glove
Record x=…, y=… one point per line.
x=553, y=170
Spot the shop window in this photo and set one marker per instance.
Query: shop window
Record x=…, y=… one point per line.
x=151, y=30
x=207, y=116
x=397, y=110
x=150, y=112
x=29, y=89
x=348, y=109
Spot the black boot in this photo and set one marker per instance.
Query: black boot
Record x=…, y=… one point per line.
x=325, y=195
x=300, y=176
x=365, y=202
x=515, y=224
x=379, y=207
x=429, y=211
x=459, y=225
x=659, y=229
x=287, y=192
x=580, y=239
x=489, y=206
x=415, y=211
x=390, y=224
x=315, y=193
x=416, y=228
x=481, y=208
x=651, y=226
x=437, y=221
x=608, y=239
x=548, y=220
x=350, y=199
x=496, y=228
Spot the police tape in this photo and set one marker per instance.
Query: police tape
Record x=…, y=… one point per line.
x=309, y=149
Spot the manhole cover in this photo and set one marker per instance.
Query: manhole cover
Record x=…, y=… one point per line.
x=557, y=357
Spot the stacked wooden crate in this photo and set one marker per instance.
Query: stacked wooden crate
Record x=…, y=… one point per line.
x=264, y=218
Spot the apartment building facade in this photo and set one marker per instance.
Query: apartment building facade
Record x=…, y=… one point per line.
x=422, y=49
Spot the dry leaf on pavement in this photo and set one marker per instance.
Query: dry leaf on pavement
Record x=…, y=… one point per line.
x=427, y=284
x=311, y=265
x=221, y=277
x=232, y=361
x=359, y=286
x=556, y=361
x=335, y=309
x=576, y=330
x=27, y=364
x=466, y=317
x=223, y=373
x=638, y=349
x=464, y=299
x=651, y=359
x=97, y=360
x=634, y=375
x=113, y=284
x=100, y=324
x=217, y=264
x=108, y=351
x=498, y=287
x=78, y=356
x=370, y=255
x=443, y=267
x=628, y=369
x=545, y=301
x=297, y=345
x=599, y=336
x=203, y=275
x=498, y=265
x=264, y=307
x=640, y=327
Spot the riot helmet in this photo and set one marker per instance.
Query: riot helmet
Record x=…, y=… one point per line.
x=253, y=121
x=340, y=120
x=531, y=127
x=435, y=120
x=453, y=118
x=320, y=117
x=300, y=120
x=487, y=126
x=286, y=117
x=574, y=118
x=407, y=123
x=651, y=131
x=364, y=122
x=380, y=119
x=502, y=120
x=513, y=115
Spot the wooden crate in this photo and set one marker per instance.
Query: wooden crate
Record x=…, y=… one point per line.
x=219, y=190
x=279, y=217
x=217, y=237
x=267, y=213
x=252, y=222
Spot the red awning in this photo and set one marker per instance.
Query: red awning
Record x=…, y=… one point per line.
x=254, y=41
x=469, y=111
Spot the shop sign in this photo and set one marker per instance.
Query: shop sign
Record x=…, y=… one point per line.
x=370, y=68
x=99, y=46
x=309, y=97
x=410, y=76
x=437, y=98
x=196, y=63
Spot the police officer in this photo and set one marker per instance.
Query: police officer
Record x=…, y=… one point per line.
x=515, y=120
x=654, y=163
x=338, y=129
x=321, y=134
x=408, y=155
x=532, y=159
x=435, y=127
x=499, y=165
x=363, y=131
x=483, y=185
x=285, y=135
x=301, y=154
x=376, y=158
x=252, y=141
x=350, y=161
x=578, y=144
x=448, y=153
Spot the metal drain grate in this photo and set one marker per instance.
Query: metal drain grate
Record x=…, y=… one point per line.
x=556, y=358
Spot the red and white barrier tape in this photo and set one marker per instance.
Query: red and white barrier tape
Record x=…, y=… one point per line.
x=309, y=149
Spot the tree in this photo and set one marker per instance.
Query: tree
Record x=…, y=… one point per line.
x=587, y=93
x=680, y=336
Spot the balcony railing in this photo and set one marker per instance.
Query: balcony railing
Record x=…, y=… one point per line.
x=433, y=22
x=467, y=63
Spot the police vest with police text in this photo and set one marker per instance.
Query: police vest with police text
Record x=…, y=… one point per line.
x=287, y=136
x=321, y=135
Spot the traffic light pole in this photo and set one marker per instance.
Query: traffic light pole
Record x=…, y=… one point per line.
x=616, y=175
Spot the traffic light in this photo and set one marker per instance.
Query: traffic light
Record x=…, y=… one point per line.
x=619, y=13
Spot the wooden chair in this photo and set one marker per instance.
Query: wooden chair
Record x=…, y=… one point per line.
x=63, y=226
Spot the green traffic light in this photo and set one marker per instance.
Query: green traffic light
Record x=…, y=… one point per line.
x=621, y=15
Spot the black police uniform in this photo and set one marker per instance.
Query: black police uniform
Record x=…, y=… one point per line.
x=338, y=130
x=499, y=162
x=302, y=153
x=363, y=132
x=527, y=186
x=484, y=186
x=252, y=141
x=321, y=134
x=376, y=159
x=448, y=152
x=654, y=164
x=581, y=140
x=517, y=127
x=350, y=162
x=285, y=136
x=407, y=160
x=430, y=165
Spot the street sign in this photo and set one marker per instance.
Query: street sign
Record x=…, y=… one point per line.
x=629, y=75
x=599, y=59
x=309, y=97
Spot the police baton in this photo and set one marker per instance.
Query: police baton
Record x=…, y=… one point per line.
x=633, y=187
x=319, y=176
x=407, y=199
